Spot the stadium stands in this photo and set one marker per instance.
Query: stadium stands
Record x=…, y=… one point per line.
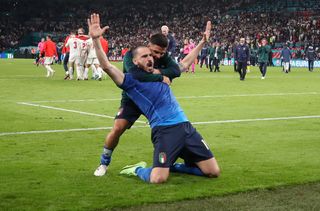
x=132, y=21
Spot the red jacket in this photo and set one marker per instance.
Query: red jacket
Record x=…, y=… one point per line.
x=49, y=49
x=104, y=44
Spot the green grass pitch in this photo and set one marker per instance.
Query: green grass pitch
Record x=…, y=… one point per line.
x=264, y=134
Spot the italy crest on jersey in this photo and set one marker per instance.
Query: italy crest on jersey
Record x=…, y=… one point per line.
x=162, y=157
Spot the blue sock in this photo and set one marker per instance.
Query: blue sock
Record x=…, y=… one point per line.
x=182, y=168
x=106, y=156
x=144, y=173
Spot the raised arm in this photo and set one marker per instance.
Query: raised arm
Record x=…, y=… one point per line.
x=95, y=32
x=189, y=59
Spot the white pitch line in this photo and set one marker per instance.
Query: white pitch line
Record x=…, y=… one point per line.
x=194, y=123
x=256, y=120
x=70, y=101
x=185, y=97
x=61, y=131
x=248, y=95
x=69, y=110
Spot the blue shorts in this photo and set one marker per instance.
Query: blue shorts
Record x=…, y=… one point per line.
x=129, y=111
x=178, y=141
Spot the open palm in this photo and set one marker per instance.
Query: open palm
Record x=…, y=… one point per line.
x=206, y=34
x=95, y=31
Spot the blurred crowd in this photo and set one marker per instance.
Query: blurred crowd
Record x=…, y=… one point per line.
x=132, y=21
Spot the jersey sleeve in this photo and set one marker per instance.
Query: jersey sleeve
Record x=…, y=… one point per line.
x=172, y=69
x=127, y=62
x=128, y=83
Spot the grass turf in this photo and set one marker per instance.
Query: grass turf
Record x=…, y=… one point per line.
x=54, y=171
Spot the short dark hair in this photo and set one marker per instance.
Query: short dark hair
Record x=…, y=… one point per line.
x=135, y=50
x=160, y=40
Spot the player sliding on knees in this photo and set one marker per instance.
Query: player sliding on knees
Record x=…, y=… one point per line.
x=129, y=112
x=173, y=136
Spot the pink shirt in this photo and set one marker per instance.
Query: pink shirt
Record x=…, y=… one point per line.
x=40, y=46
x=187, y=48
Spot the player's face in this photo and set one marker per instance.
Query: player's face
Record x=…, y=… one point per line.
x=144, y=59
x=157, y=51
x=242, y=41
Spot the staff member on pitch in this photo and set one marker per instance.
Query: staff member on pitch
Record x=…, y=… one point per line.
x=242, y=58
x=263, y=57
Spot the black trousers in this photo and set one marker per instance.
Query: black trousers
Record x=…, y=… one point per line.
x=310, y=64
x=210, y=63
x=65, y=62
x=205, y=60
x=216, y=63
x=263, y=68
x=242, y=69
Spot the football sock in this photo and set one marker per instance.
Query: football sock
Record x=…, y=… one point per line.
x=106, y=156
x=79, y=72
x=71, y=72
x=144, y=173
x=85, y=74
x=182, y=168
x=94, y=71
x=99, y=71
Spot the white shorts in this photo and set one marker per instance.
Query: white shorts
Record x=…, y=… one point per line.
x=73, y=59
x=48, y=60
x=91, y=61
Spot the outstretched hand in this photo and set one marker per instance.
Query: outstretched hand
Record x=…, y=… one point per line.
x=95, y=30
x=206, y=34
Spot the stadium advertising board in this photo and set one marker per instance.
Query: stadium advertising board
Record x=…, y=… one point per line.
x=277, y=62
x=296, y=63
x=6, y=56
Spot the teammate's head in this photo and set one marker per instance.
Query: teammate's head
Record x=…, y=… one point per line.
x=81, y=31
x=42, y=39
x=165, y=30
x=242, y=41
x=48, y=37
x=158, y=45
x=143, y=58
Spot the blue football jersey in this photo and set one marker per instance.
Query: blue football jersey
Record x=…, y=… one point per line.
x=156, y=101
